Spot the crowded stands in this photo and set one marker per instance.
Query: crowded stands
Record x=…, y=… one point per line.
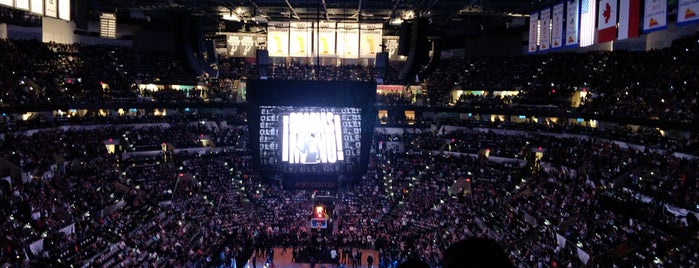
x=182, y=192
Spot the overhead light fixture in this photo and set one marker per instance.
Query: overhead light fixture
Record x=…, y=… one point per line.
x=231, y=17
x=396, y=21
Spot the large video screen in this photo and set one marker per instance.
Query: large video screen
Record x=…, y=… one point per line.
x=310, y=130
x=310, y=139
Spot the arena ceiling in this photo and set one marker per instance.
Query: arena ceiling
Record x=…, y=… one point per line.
x=453, y=17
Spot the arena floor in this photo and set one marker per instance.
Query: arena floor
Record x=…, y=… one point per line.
x=284, y=261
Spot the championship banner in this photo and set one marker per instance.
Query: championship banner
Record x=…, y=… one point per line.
x=391, y=43
x=629, y=18
x=370, y=44
x=545, y=29
x=557, y=26
x=606, y=21
x=687, y=12
x=51, y=8
x=533, y=31
x=22, y=4
x=572, y=19
x=278, y=39
x=300, y=39
x=243, y=45
x=63, y=9
x=326, y=39
x=655, y=15
x=8, y=3
x=348, y=40
x=37, y=7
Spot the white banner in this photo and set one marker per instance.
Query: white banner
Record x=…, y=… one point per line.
x=687, y=12
x=348, y=40
x=8, y=3
x=572, y=22
x=392, y=47
x=64, y=9
x=655, y=15
x=300, y=39
x=545, y=29
x=326, y=42
x=371, y=40
x=37, y=6
x=51, y=7
x=533, y=31
x=22, y=4
x=243, y=45
x=557, y=26
x=278, y=39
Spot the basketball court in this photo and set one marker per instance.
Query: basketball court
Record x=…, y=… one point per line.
x=284, y=261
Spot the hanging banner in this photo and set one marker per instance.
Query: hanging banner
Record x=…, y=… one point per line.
x=278, y=39
x=533, y=31
x=587, y=22
x=370, y=44
x=545, y=29
x=606, y=21
x=22, y=4
x=64, y=9
x=687, y=12
x=391, y=43
x=348, y=40
x=8, y=3
x=51, y=8
x=629, y=18
x=655, y=15
x=244, y=45
x=326, y=39
x=557, y=26
x=572, y=19
x=300, y=39
x=37, y=7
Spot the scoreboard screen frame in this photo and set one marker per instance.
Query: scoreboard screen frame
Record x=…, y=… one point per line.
x=320, y=110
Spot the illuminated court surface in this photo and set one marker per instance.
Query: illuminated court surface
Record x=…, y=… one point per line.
x=284, y=261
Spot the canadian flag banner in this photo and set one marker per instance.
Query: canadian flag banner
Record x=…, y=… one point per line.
x=533, y=31
x=687, y=12
x=606, y=21
x=572, y=19
x=629, y=17
x=655, y=15
x=545, y=29
x=557, y=26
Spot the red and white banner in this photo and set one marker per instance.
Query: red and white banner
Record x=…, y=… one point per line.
x=629, y=17
x=572, y=22
x=687, y=12
x=545, y=29
x=655, y=15
x=533, y=31
x=606, y=21
x=557, y=26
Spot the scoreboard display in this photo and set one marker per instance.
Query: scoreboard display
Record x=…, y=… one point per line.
x=307, y=129
x=309, y=139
